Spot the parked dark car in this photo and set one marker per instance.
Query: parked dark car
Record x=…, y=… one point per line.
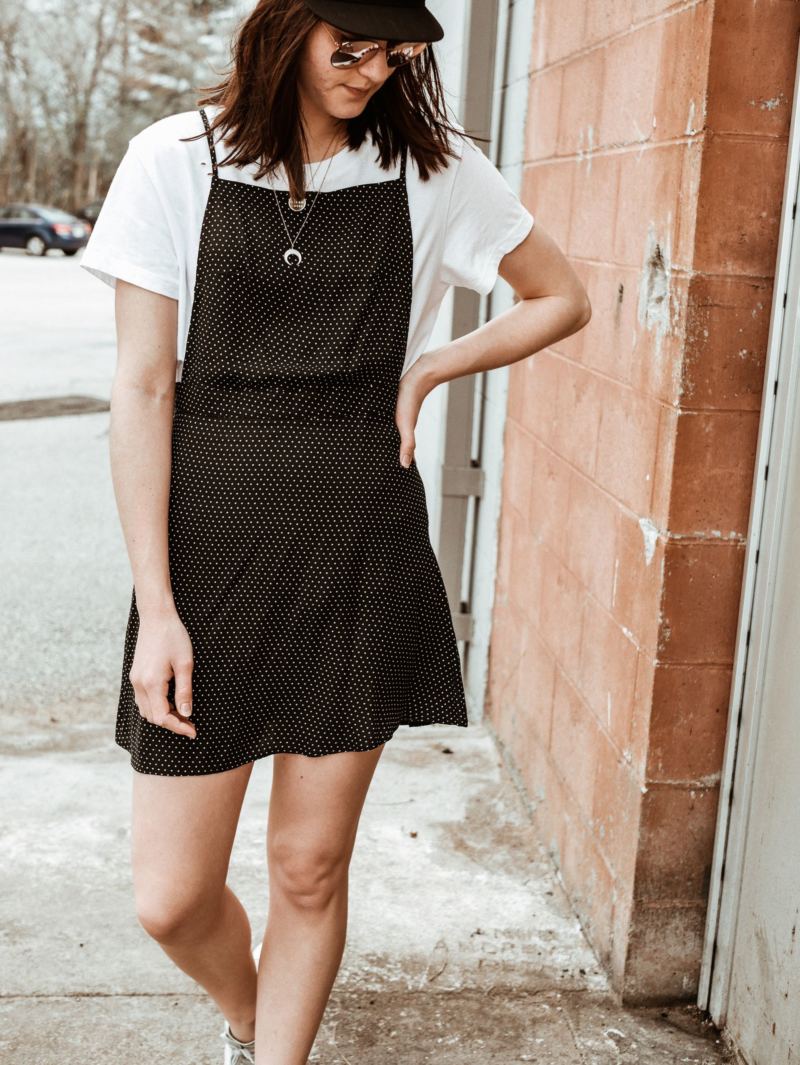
x=38, y=229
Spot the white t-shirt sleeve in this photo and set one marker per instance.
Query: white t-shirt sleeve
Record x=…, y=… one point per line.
x=131, y=238
x=485, y=220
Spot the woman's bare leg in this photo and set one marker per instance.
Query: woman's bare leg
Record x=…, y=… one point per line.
x=314, y=811
x=183, y=830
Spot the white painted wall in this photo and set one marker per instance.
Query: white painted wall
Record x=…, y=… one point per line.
x=515, y=37
x=431, y=423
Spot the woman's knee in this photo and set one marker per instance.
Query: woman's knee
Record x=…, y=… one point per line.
x=308, y=876
x=169, y=914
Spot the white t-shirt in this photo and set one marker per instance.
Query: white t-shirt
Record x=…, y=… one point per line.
x=464, y=218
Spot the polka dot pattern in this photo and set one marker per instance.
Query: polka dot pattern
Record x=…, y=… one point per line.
x=299, y=552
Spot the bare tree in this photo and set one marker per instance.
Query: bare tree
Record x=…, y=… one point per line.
x=79, y=77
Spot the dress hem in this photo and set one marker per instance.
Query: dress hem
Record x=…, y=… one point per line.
x=136, y=763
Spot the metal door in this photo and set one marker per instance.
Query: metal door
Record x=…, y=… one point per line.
x=762, y=1015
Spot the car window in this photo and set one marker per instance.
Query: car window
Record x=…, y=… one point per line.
x=18, y=212
x=53, y=214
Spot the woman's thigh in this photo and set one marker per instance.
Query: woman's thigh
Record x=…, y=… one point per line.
x=314, y=810
x=182, y=834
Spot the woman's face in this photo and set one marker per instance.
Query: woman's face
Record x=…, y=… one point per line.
x=340, y=93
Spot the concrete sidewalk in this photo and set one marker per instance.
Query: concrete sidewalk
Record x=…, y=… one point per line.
x=461, y=946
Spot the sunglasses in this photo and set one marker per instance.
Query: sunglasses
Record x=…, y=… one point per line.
x=349, y=52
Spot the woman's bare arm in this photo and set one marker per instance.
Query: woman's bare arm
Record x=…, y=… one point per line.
x=140, y=446
x=552, y=304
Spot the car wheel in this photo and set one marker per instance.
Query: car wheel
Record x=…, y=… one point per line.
x=70, y=251
x=34, y=245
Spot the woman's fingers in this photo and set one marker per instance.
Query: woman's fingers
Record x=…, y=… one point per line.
x=164, y=715
x=405, y=423
x=183, y=686
x=407, y=446
x=153, y=705
x=177, y=724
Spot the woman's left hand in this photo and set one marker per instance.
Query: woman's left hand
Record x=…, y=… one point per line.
x=412, y=390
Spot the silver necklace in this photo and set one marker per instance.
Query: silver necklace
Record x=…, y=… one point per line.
x=292, y=255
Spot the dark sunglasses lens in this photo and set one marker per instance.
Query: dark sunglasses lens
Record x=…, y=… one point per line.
x=351, y=52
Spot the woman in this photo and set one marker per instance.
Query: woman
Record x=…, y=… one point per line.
x=279, y=257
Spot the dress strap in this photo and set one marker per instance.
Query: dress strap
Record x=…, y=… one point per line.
x=210, y=137
x=403, y=156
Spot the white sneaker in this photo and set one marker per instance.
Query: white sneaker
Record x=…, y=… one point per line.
x=237, y=1053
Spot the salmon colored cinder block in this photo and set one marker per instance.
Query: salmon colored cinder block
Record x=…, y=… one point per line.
x=540, y=382
x=626, y=100
x=638, y=579
x=615, y=809
x=607, y=672
x=581, y=103
x=726, y=340
x=687, y=724
x=563, y=23
x=552, y=182
x=679, y=80
x=627, y=445
x=561, y=612
x=647, y=193
x=551, y=478
x=574, y=744
x=594, y=179
x=528, y=564
x=700, y=606
x=677, y=839
x=543, y=113
x=715, y=455
x=536, y=682
x=738, y=233
x=589, y=534
x=751, y=97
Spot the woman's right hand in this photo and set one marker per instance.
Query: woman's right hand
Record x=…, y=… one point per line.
x=164, y=650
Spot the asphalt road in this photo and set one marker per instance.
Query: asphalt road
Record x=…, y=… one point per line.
x=65, y=571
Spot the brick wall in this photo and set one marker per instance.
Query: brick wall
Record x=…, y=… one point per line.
x=656, y=149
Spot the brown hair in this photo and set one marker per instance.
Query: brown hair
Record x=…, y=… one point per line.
x=259, y=116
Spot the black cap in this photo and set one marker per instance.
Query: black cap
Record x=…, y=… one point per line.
x=399, y=20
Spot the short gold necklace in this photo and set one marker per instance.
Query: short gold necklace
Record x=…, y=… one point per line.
x=299, y=205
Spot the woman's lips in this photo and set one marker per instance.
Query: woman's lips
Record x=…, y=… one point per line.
x=356, y=92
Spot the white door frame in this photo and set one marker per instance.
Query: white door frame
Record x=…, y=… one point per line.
x=487, y=413
x=781, y=380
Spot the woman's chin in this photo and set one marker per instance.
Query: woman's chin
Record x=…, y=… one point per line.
x=349, y=102
x=343, y=111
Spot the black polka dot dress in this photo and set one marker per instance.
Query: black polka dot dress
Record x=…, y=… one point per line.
x=299, y=552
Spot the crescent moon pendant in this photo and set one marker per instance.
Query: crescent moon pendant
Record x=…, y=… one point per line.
x=292, y=252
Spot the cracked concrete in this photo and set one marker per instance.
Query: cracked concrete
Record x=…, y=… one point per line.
x=461, y=946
